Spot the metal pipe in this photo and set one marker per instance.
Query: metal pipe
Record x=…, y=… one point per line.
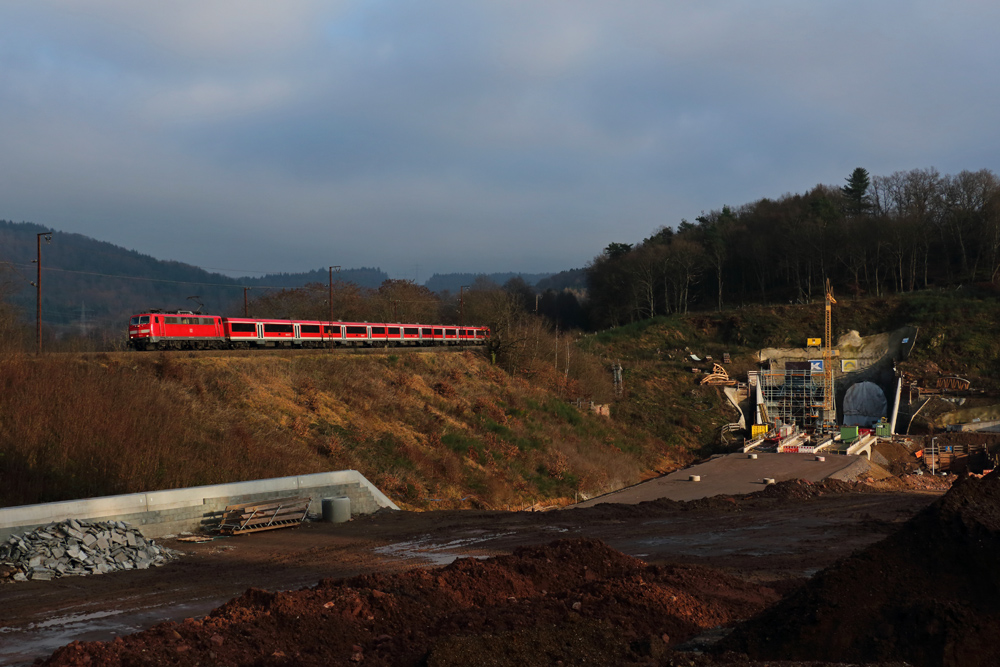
x=895, y=407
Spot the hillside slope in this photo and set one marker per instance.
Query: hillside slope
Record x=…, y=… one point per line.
x=431, y=430
x=957, y=336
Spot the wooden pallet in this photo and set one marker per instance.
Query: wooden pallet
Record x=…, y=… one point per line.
x=253, y=517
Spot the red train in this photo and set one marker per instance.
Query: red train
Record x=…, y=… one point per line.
x=185, y=330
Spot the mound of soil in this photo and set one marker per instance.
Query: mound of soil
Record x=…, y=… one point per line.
x=572, y=600
x=894, y=457
x=929, y=594
x=793, y=490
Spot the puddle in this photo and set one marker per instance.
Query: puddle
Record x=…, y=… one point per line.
x=21, y=646
x=745, y=540
x=438, y=554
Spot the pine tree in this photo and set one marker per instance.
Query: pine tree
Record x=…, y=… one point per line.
x=856, y=192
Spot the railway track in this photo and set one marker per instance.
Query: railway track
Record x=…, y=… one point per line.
x=380, y=350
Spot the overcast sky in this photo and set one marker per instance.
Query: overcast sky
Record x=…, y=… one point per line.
x=523, y=135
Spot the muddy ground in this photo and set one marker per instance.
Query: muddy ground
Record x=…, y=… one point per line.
x=769, y=543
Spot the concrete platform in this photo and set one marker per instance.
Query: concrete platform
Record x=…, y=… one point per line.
x=730, y=474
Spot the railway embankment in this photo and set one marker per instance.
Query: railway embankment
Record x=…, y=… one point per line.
x=429, y=430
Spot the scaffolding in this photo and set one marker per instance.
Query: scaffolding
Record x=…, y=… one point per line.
x=793, y=395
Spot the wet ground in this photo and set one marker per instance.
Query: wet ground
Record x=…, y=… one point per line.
x=779, y=537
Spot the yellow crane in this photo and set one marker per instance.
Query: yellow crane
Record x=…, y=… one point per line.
x=829, y=406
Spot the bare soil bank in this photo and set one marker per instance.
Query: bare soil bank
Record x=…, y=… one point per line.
x=770, y=540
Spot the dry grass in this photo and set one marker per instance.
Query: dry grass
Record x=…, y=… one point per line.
x=430, y=430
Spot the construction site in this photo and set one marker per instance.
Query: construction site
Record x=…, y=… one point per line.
x=846, y=397
x=853, y=518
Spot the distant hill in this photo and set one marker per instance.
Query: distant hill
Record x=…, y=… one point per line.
x=451, y=282
x=365, y=277
x=88, y=284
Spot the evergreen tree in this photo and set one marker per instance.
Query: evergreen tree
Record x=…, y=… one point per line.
x=855, y=192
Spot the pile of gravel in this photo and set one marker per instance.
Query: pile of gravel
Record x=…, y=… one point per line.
x=78, y=548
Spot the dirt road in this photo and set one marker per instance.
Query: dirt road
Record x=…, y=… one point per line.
x=778, y=537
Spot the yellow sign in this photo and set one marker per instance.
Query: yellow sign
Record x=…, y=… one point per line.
x=848, y=365
x=757, y=430
x=814, y=342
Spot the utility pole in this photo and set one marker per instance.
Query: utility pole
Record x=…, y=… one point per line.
x=331, y=289
x=331, y=304
x=246, y=304
x=38, y=285
x=461, y=305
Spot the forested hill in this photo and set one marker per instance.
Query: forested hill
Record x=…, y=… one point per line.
x=92, y=284
x=873, y=236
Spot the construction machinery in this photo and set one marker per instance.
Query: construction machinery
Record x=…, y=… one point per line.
x=829, y=405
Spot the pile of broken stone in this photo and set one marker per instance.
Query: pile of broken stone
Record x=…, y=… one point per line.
x=77, y=548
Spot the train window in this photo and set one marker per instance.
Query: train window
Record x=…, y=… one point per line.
x=277, y=328
x=393, y=331
x=357, y=331
x=172, y=320
x=332, y=332
x=309, y=328
x=242, y=327
x=437, y=332
x=378, y=331
x=411, y=331
x=450, y=332
x=427, y=331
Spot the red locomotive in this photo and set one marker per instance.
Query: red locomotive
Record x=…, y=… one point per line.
x=185, y=330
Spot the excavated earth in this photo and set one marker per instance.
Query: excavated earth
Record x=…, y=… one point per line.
x=657, y=583
x=929, y=594
x=572, y=600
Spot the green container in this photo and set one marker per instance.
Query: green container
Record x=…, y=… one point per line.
x=883, y=430
x=848, y=433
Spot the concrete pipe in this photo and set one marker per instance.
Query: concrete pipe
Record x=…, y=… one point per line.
x=695, y=478
x=769, y=480
x=821, y=458
x=337, y=510
x=752, y=456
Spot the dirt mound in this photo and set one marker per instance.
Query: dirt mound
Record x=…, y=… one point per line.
x=789, y=490
x=573, y=600
x=894, y=457
x=929, y=594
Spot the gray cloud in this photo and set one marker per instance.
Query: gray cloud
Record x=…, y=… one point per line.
x=465, y=136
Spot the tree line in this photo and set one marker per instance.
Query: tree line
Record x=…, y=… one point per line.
x=874, y=235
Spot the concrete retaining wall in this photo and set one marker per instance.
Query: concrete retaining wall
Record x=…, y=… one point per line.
x=159, y=513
